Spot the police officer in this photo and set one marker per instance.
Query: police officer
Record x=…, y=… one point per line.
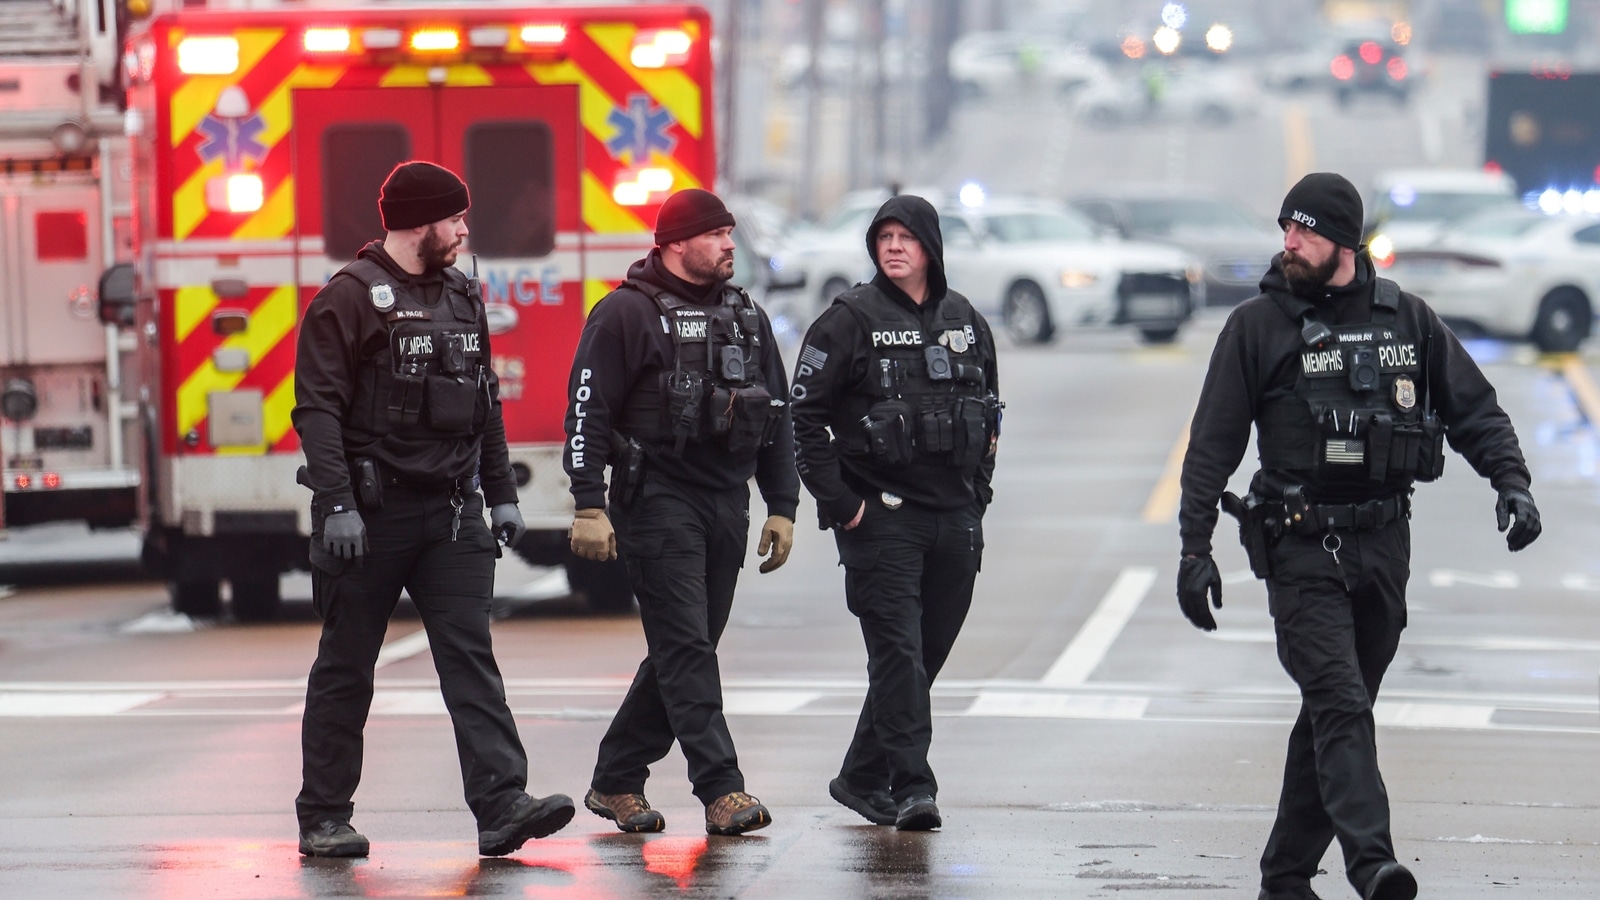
x=1353, y=386
x=895, y=418
x=399, y=416
x=678, y=386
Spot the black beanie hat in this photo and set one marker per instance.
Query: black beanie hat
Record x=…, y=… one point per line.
x=1328, y=204
x=690, y=212
x=420, y=193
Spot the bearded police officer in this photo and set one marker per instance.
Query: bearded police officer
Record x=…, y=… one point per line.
x=677, y=385
x=895, y=418
x=1353, y=386
x=399, y=415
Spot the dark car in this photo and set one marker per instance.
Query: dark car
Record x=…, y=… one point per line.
x=1233, y=247
x=1370, y=66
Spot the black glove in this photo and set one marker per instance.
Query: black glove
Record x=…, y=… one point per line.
x=505, y=520
x=345, y=535
x=1198, y=576
x=1518, y=504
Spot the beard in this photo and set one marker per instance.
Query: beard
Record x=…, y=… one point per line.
x=704, y=268
x=1302, y=275
x=437, y=251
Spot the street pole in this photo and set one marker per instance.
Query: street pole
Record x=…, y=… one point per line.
x=941, y=89
x=728, y=86
x=880, y=91
x=813, y=136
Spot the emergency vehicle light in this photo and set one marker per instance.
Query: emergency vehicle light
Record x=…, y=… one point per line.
x=1397, y=69
x=434, y=40
x=634, y=188
x=235, y=193
x=51, y=480
x=327, y=40
x=1371, y=52
x=1342, y=67
x=23, y=482
x=208, y=55
x=544, y=35
x=660, y=48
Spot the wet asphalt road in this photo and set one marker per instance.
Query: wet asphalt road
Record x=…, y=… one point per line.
x=1088, y=740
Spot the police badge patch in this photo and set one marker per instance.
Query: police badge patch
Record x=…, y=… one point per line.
x=382, y=297
x=1405, y=392
x=957, y=339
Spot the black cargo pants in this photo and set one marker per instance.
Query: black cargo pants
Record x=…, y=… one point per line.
x=683, y=546
x=908, y=576
x=451, y=582
x=1336, y=642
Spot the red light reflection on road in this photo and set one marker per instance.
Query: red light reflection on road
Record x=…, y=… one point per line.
x=674, y=857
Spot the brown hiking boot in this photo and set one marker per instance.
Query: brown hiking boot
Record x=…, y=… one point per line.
x=736, y=813
x=631, y=812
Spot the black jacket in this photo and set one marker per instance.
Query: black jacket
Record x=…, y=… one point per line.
x=1256, y=359
x=835, y=360
x=624, y=345
x=340, y=329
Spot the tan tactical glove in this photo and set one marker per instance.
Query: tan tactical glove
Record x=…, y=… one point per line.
x=777, y=535
x=592, y=535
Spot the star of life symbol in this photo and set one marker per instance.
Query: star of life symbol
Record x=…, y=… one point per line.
x=230, y=130
x=641, y=127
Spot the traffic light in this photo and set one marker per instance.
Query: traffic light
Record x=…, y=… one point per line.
x=1536, y=16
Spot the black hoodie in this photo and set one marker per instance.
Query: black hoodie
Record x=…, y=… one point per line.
x=340, y=330
x=625, y=344
x=834, y=362
x=1255, y=361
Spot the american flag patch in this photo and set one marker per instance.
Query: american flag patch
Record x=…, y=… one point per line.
x=813, y=357
x=1349, y=453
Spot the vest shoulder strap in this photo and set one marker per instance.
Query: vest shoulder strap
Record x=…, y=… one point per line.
x=366, y=271
x=1385, y=302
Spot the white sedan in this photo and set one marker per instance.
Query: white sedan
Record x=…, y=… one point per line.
x=1039, y=268
x=1517, y=274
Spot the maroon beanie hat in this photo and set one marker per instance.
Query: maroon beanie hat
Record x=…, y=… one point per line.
x=690, y=212
x=420, y=193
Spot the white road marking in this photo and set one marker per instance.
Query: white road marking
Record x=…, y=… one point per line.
x=1502, y=579
x=1057, y=706
x=1431, y=715
x=54, y=704
x=1243, y=576
x=1522, y=644
x=1095, y=638
x=403, y=648
x=766, y=703
x=1574, y=581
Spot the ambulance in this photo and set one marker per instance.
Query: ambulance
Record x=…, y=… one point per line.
x=259, y=137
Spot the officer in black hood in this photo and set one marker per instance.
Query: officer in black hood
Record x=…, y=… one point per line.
x=1353, y=386
x=677, y=385
x=896, y=417
x=399, y=415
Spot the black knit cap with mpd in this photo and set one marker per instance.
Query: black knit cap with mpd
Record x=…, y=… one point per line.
x=1326, y=203
x=420, y=193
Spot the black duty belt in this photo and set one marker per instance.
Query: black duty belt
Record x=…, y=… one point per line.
x=1372, y=515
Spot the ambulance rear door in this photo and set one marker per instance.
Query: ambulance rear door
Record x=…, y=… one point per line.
x=518, y=148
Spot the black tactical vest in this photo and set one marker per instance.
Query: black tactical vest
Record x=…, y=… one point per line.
x=716, y=388
x=1360, y=414
x=924, y=399
x=432, y=378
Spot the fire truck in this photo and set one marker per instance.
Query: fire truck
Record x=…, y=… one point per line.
x=64, y=425
x=258, y=138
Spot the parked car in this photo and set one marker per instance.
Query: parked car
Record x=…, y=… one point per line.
x=760, y=244
x=1037, y=268
x=1208, y=95
x=1408, y=208
x=1511, y=273
x=1233, y=247
x=1371, y=66
x=995, y=63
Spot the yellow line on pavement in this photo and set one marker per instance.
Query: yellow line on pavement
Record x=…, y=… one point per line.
x=1583, y=387
x=1300, y=156
x=1163, y=503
